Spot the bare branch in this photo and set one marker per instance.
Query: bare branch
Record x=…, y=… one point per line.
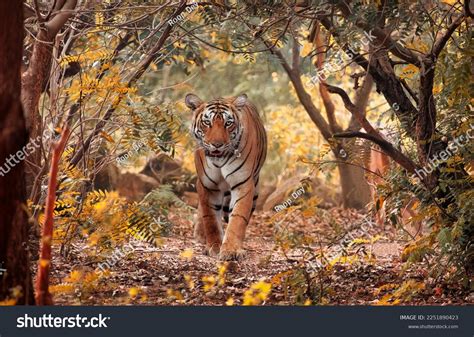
x=372, y=134
x=387, y=147
x=440, y=42
x=54, y=25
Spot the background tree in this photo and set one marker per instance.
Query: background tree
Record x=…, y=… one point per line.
x=15, y=283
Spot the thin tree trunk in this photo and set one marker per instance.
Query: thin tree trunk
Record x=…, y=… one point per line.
x=354, y=187
x=35, y=78
x=43, y=296
x=13, y=139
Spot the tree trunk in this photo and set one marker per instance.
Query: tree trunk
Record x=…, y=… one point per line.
x=355, y=190
x=13, y=138
x=34, y=81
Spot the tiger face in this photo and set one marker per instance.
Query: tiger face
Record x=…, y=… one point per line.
x=216, y=124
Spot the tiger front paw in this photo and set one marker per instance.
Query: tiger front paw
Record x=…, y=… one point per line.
x=212, y=249
x=199, y=237
x=228, y=253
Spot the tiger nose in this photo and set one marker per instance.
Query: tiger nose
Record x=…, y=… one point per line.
x=217, y=145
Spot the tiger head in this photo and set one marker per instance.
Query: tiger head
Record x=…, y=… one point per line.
x=216, y=124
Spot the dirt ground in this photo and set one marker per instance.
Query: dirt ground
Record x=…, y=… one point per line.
x=178, y=273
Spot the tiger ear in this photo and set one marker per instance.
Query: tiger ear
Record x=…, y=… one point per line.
x=192, y=101
x=240, y=100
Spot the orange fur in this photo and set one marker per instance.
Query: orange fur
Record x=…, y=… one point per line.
x=232, y=147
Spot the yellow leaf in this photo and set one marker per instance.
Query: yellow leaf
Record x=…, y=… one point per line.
x=63, y=288
x=107, y=137
x=189, y=281
x=221, y=273
x=307, y=48
x=187, y=254
x=230, y=301
x=174, y=293
x=209, y=282
x=8, y=302
x=74, y=277
x=257, y=293
x=409, y=71
x=99, y=18
x=133, y=292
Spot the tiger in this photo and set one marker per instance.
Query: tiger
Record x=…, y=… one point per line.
x=231, y=150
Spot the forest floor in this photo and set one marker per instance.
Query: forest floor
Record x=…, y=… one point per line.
x=178, y=273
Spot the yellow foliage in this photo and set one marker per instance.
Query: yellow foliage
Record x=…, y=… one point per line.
x=257, y=293
x=133, y=292
x=222, y=269
x=187, y=254
x=189, y=282
x=349, y=259
x=175, y=294
x=293, y=145
x=63, y=288
x=388, y=286
x=209, y=282
x=74, y=276
x=307, y=48
x=8, y=302
x=409, y=71
x=403, y=293
x=372, y=240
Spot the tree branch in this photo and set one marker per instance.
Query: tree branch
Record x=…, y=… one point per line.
x=54, y=25
x=441, y=41
x=303, y=96
x=383, y=38
x=386, y=147
x=372, y=134
x=142, y=67
x=361, y=101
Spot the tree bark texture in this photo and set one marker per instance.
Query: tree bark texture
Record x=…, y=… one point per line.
x=15, y=282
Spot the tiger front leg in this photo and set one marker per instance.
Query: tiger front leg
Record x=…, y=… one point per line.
x=232, y=246
x=208, y=227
